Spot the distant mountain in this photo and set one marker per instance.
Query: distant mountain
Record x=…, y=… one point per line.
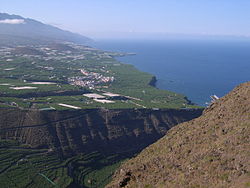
x=16, y=29
x=210, y=151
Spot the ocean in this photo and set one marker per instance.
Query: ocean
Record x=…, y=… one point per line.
x=195, y=68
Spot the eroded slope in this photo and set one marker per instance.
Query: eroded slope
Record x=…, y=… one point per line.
x=72, y=132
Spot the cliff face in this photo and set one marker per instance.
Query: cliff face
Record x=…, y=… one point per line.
x=71, y=132
x=210, y=151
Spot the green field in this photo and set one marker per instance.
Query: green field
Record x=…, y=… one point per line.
x=21, y=166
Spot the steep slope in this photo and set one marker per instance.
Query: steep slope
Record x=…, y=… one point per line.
x=25, y=30
x=73, y=132
x=210, y=151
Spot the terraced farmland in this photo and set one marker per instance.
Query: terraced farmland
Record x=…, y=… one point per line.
x=21, y=166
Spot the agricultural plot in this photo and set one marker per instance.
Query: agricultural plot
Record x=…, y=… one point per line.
x=21, y=166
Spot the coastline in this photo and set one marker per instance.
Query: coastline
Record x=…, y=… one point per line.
x=138, y=88
x=178, y=63
x=153, y=80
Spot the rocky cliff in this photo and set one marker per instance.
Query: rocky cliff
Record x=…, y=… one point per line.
x=72, y=132
x=210, y=151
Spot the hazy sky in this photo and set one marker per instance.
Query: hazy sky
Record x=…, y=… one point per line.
x=121, y=18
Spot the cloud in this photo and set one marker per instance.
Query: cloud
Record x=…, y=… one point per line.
x=12, y=21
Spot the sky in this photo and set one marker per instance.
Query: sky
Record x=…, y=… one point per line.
x=134, y=18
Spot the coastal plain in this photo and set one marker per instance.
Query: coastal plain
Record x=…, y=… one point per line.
x=61, y=76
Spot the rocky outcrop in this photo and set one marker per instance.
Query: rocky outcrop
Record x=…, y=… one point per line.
x=71, y=132
x=210, y=151
x=153, y=81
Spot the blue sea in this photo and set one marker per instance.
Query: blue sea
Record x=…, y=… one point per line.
x=195, y=68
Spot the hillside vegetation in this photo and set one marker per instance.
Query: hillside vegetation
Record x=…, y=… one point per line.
x=210, y=151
